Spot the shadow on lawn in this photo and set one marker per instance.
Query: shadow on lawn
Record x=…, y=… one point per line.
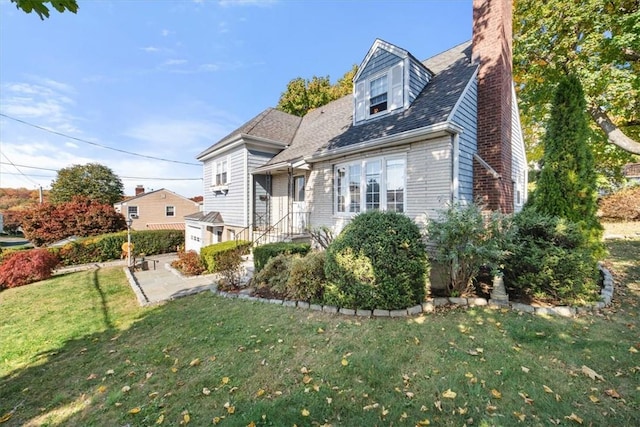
x=74, y=384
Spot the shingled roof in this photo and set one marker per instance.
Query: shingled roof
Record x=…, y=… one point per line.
x=331, y=126
x=271, y=124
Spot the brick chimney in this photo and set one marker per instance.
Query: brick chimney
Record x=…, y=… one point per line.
x=139, y=190
x=492, y=43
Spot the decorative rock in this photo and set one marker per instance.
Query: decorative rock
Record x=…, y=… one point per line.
x=565, y=311
x=428, y=307
x=585, y=309
x=606, y=299
x=303, y=304
x=347, y=311
x=498, y=303
x=363, y=313
x=315, y=307
x=458, y=301
x=243, y=296
x=381, y=313
x=276, y=301
x=522, y=307
x=330, y=309
x=289, y=303
x=477, y=301
x=599, y=305
x=416, y=309
x=397, y=313
x=439, y=302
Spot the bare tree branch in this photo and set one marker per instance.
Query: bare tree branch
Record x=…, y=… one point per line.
x=614, y=134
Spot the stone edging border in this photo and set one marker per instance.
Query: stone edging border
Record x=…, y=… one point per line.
x=429, y=306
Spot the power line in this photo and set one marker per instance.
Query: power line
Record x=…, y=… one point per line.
x=12, y=164
x=95, y=143
x=122, y=177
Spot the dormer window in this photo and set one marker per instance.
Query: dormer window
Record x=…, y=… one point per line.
x=378, y=95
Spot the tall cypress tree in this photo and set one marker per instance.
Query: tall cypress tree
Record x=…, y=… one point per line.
x=567, y=184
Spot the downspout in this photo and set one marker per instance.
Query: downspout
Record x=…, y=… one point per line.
x=290, y=202
x=455, y=182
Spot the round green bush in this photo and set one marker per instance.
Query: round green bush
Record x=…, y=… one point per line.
x=378, y=261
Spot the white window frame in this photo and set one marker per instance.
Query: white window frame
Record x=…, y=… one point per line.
x=395, y=93
x=173, y=211
x=362, y=163
x=217, y=164
x=132, y=208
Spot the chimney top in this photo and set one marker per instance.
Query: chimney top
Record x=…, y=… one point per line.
x=139, y=190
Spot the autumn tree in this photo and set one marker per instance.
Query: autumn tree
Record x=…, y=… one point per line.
x=42, y=10
x=567, y=184
x=82, y=217
x=93, y=180
x=599, y=42
x=303, y=95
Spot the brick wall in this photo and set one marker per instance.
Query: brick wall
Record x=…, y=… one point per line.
x=492, y=43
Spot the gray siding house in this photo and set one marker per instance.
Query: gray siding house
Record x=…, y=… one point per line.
x=413, y=137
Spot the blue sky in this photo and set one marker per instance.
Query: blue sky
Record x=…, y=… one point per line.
x=168, y=78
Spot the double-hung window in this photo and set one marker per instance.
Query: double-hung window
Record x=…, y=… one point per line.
x=170, y=210
x=371, y=184
x=378, y=95
x=132, y=211
x=221, y=174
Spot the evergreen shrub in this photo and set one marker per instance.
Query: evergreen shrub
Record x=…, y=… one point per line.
x=272, y=279
x=551, y=260
x=378, y=261
x=262, y=254
x=24, y=267
x=211, y=253
x=306, y=277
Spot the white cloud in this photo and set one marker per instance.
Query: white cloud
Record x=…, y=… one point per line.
x=177, y=134
x=166, y=32
x=223, y=27
x=150, y=49
x=171, y=62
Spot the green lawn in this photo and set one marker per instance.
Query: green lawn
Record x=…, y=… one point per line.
x=76, y=350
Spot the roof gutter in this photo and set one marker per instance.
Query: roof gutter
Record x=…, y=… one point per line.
x=238, y=140
x=442, y=128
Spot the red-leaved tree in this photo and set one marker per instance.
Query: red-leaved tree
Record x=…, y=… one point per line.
x=81, y=217
x=24, y=267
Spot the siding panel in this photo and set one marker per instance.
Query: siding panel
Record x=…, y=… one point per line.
x=466, y=116
x=380, y=61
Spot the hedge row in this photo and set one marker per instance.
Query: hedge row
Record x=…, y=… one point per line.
x=109, y=246
x=212, y=254
x=262, y=254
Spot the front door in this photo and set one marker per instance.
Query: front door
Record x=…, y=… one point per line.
x=299, y=205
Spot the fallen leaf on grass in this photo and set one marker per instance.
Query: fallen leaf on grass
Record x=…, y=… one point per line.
x=160, y=419
x=6, y=417
x=206, y=391
x=612, y=393
x=593, y=399
x=194, y=362
x=633, y=350
x=409, y=395
x=306, y=379
x=370, y=407
x=495, y=393
x=125, y=389
x=260, y=392
x=574, y=417
x=225, y=380
x=102, y=389
x=92, y=377
x=449, y=394
x=547, y=389
x=526, y=398
x=525, y=369
x=110, y=372
x=591, y=373
x=344, y=362
x=134, y=410
x=305, y=412
x=519, y=415
x=424, y=422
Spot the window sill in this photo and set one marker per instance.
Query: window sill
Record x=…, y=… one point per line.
x=220, y=189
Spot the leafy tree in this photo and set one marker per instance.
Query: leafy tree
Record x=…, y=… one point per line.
x=302, y=95
x=567, y=184
x=11, y=221
x=93, y=180
x=40, y=7
x=81, y=217
x=597, y=40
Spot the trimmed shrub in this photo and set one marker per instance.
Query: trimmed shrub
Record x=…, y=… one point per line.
x=189, y=263
x=272, y=280
x=378, y=261
x=24, y=267
x=211, y=253
x=262, y=254
x=306, y=278
x=552, y=260
x=463, y=241
x=623, y=205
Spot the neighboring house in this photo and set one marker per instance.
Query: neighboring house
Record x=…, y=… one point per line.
x=414, y=137
x=631, y=172
x=156, y=210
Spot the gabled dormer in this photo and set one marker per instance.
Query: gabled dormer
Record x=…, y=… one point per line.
x=388, y=80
